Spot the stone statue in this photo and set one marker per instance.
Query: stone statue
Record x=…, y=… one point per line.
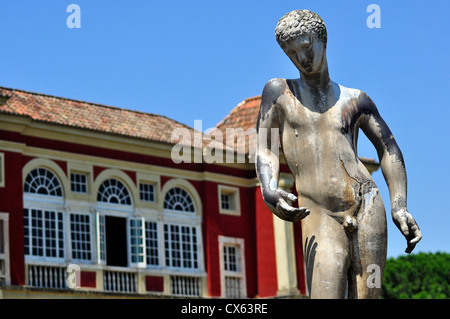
x=317, y=123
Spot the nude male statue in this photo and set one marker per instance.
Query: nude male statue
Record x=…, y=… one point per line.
x=342, y=214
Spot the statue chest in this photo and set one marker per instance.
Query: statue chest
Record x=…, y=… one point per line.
x=306, y=121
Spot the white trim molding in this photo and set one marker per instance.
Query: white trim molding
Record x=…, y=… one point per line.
x=237, y=277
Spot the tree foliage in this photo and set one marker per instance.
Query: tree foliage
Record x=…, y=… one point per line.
x=417, y=276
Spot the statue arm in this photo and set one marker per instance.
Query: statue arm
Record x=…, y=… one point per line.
x=393, y=169
x=267, y=159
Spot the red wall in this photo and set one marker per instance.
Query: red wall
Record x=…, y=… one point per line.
x=11, y=202
x=216, y=224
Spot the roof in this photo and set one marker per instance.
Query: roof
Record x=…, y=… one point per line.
x=91, y=116
x=243, y=116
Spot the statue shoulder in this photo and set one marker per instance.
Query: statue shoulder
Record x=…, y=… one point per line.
x=273, y=90
x=350, y=93
x=366, y=104
x=363, y=101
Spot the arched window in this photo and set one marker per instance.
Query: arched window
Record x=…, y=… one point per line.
x=43, y=225
x=42, y=181
x=178, y=199
x=113, y=191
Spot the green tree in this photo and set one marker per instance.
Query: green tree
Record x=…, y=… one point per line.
x=417, y=276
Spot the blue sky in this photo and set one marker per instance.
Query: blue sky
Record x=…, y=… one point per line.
x=196, y=60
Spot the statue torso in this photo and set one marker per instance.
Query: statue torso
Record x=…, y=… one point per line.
x=318, y=140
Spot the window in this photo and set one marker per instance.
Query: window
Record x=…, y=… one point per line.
x=180, y=245
x=113, y=191
x=116, y=241
x=119, y=240
x=177, y=199
x=232, y=267
x=43, y=223
x=2, y=169
x=44, y=233
x=42, y=181
x=151, y=237
x=101, y=237
x=230, y=258
x=4, y=250
x=229, y=202
x=78, y=183
x=226, y=201
x=80, y=232
x=147, y=192
x=136, y=241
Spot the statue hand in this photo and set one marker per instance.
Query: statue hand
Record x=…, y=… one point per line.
x=286, y=211
x=408, y=226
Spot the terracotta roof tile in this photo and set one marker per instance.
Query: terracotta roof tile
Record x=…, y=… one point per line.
x=91, y=116
x=243, y=116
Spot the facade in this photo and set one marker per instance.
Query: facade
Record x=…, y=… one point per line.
x=93, y=205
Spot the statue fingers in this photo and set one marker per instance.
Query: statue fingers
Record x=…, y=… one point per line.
x=401, y=223
x=301, y=213
x=289, y=213
x=414, y=238
x=286, y=195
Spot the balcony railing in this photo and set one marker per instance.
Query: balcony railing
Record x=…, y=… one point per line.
x=47, y=276
x=185, y=286
x=233, y=287
x=120, y=281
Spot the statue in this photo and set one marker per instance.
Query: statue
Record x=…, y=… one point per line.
x=342, y=214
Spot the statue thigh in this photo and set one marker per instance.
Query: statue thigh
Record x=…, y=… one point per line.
x=369, y=248
x=335, y=257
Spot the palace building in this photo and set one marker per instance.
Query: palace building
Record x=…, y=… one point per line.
x=93, y=205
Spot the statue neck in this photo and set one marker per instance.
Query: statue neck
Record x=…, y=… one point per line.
x=319, y=80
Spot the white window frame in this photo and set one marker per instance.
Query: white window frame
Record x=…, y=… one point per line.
x=43, y=210
x=101, y=238
x=139, y=246
x=2, y=170
x=153, y=193
x=91, y=237
x=239, y=243
x=187, y=198
x=122, y=210
x=86, y=184
x=56, y=183
x=128, y=194
x=102, y=210
x=81, y=168
x=58, y=240
x=182, y=218
x=5, y=255
x=43, y=203
x=158, y=244
x=167, y=248
x=235, y=203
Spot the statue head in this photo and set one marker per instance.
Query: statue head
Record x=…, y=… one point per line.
x=300, y=22
x=303, y=37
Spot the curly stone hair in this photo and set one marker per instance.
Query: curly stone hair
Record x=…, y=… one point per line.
x=299, y=22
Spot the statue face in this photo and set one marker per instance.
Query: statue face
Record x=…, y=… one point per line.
x=306, y=52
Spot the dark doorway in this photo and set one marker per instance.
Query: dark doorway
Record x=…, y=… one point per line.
x=116, y=241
